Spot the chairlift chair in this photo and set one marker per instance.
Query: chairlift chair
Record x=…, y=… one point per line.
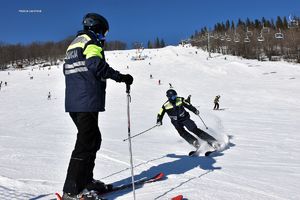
x=260, y=38
x=293, y=23
x=279, y=35
x=222, y=38
x=246, y=39
x=236, y=39
x=265, y=29
x=228, y=39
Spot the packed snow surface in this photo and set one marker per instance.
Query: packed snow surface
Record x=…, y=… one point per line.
x=260, y=114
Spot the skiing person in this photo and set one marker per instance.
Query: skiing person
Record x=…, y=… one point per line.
x=180, y=118
x=216, y=101
x=86, y=71
x=49, y=96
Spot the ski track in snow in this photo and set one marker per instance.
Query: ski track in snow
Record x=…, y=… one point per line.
x=261, y=108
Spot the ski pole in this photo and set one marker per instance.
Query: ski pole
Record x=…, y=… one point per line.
x=203, y=122
x=129, y=139
x=140, y=133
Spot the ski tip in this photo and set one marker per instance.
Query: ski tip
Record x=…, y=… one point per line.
x=179, y=197
x=58, y=197
x=159, y=176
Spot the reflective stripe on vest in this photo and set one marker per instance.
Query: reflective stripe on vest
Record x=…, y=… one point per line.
x=76, y=70
x=80, y=41
x=74, y=65
x=92, y=50
x=169, y=105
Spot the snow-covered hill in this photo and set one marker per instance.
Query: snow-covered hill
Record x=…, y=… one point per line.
x=261, y=115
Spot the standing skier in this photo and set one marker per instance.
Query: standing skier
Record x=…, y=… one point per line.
x=180, y=118
x=49, y=96
x=216, y=101
x=86, y=71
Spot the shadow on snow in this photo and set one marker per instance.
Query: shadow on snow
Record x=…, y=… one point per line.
x=180, y=165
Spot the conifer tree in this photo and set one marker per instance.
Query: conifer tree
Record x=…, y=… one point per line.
x=162, y=43
x=149, y=45
x=157, y=43
x=279, y=23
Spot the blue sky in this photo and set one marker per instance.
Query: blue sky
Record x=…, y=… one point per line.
x=25, y=21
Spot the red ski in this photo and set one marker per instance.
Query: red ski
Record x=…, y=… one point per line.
x=179, y=197
x=140, y=182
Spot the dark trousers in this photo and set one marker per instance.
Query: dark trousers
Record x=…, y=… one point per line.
x=216, y=106
x=191, y=126
x=82, y=162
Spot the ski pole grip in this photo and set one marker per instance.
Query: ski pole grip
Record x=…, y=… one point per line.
x=127, y=88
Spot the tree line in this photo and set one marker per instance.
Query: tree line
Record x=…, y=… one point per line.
x=157, y=43
x=21, y=55
x=253, y=39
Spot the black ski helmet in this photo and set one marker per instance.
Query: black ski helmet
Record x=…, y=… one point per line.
x=96, y=23
x=171, y=93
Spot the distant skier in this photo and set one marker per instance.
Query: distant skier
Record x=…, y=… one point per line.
x=151, y=76
x=159, y=82
x=180, y=118
x=49, y=96
x=171, y=86
x=216, y=102
x=86, y=72
x=5, y=83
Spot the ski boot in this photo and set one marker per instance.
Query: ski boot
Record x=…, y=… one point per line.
x=85, y=195
x=214, y=144
x=99, y=186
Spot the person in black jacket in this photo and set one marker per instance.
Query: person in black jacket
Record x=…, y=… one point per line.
x=86, y=72
x=180, y=118
x=216, y=102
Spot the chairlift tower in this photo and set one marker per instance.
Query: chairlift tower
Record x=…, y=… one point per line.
x=293, y=23
x=249, y=33
x=139, y=50
x=208, y=44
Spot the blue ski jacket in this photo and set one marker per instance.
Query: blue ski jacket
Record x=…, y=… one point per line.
x=86, y=71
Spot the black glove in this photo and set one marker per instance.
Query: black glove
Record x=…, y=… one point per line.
x=127, y=78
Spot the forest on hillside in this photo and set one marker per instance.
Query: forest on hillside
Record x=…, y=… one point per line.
x=42, y=53
x=253, y=39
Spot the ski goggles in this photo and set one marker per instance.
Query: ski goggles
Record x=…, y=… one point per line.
x=173, y=97
x=101, y=36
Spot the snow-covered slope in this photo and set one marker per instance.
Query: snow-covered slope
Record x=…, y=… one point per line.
x=261, y=115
